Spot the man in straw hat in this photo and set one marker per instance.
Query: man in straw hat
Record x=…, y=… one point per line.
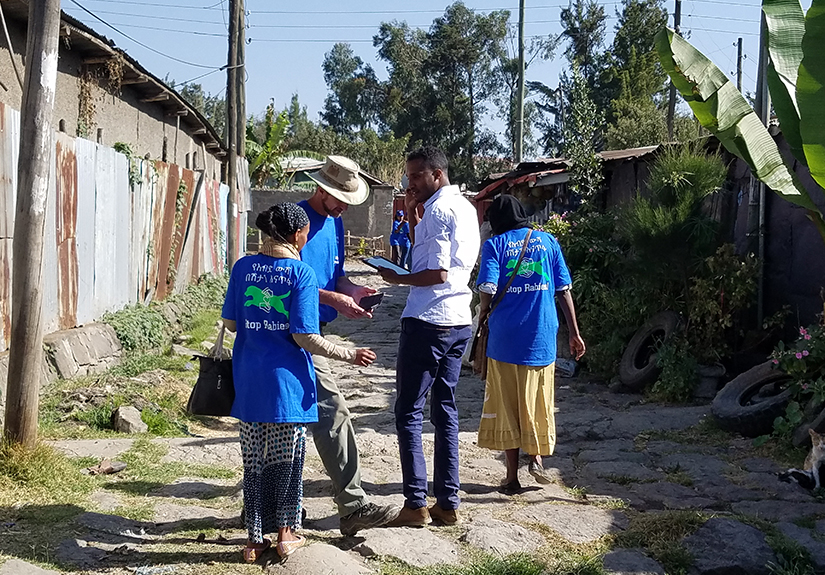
x=435, y=329
x=339, y=186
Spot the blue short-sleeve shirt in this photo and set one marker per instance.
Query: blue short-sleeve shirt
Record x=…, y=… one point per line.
x=400, y=235
x=524, y=325
x=270, y=299
x=324, y=253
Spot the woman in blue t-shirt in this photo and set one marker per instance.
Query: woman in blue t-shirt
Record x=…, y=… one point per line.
x=400, y=240
x=518, y=404
x=272, y=301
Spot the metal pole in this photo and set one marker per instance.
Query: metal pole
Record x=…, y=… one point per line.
x=520, y=111
x=671, y=104
x=36, y=145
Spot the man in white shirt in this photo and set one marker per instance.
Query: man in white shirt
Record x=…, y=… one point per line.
x=435, y=330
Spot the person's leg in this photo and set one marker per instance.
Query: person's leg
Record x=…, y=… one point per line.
x=420, y=349
x=335, y=441
x=402, y=255
x=444, y=416
x=511, y=457
x=334, y=438
x=394, y=250
x=536, y=386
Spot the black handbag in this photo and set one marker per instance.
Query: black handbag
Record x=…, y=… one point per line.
x=214, y=392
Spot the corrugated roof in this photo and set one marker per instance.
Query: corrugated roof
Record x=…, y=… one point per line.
x=628, y=154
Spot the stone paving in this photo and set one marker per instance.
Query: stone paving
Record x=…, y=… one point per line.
x=616, y=456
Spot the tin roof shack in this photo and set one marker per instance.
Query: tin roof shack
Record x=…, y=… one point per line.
x=106, y=96
x=371, y=219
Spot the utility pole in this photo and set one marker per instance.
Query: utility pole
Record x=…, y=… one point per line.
x=671, y=105
x=757, y=213
x=739, y=65
x=232, y=243
x=36, y=144
x=241, y=79
x=520, y=106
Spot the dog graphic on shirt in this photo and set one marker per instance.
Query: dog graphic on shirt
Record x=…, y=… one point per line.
x=266, y=300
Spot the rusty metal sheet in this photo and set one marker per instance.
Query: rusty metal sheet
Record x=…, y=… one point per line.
x=65, y=227
x=141, y=250
x=85, y=154
x=158, y=255
x=9, y=138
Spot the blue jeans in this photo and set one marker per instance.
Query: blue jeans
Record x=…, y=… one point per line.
x=429, y=361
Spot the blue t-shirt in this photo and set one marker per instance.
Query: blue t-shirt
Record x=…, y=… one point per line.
x=524, y=325
x=324, y=253
x=401, y=237
x=270, y=299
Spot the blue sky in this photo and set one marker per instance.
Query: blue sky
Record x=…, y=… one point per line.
x=288, y=40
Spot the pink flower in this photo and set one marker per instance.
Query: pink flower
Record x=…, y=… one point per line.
x=775, y=361
x=590, y=250
x=798, y=355
x=807, y=336
x=804, y=386
x=802, y=331
x=805, y=352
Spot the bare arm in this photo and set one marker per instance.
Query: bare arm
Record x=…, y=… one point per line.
x=423, y=278
x=345, y=298
x=230, y=324
x=577, y=347
x=412, y=213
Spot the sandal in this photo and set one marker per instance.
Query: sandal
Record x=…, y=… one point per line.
x=287, y=548
x=512, y=488
x=253, y=551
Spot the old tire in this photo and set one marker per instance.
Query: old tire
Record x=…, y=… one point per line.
x=638, y=368
x=749, y=403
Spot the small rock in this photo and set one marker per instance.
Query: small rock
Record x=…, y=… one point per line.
x=17, y=567
x=320, y=558
x=127, y=419
x=576, y=523
x=804, y=537
x=630, y=562
x=501, y=538
x=730, y=547
x=183, y=351
x=183, y=338
x=429, y=549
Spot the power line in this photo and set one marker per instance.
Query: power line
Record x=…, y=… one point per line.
x=391, y=12
x=132, y=3
x=156, y=16
x=373, y=26
x=172, y=30
x=158, y=52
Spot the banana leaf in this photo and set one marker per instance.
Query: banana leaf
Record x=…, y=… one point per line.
x=722, y=110
x=810, y=91
x=786, y=27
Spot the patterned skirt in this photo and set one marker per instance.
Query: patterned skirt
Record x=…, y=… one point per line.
x=273, y=466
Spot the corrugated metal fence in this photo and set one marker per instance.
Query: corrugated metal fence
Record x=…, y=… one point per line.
x=109, y=242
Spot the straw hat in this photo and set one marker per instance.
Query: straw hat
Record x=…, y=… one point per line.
x=339, y=177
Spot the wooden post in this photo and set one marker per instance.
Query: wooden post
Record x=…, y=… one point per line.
x=520, y=98
x=739, y=64
x=232, y=242
x=36, y=145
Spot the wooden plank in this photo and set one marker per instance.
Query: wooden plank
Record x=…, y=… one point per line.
x=157, y=98
x=134, y=80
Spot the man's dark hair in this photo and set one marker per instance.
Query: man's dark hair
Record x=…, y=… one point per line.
x=433, y=158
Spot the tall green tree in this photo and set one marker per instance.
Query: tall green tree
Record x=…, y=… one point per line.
x=213, y=108
x=582, y=131
x=584, y=27
x=356, y=96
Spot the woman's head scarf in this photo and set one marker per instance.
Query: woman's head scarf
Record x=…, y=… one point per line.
x=506, y=213
x=282, y=220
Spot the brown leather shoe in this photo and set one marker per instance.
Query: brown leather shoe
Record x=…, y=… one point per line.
x=411, y=518
x=445, y=516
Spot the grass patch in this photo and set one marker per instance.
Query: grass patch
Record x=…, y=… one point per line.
x=519, y=564
x=791, y=558
x=41, y=484
x=661, y=534
x=202, y=327
x=579, y=493
x=679, y=476
x=706, y=432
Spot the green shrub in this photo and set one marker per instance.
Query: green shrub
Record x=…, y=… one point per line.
x=138, y=327
x=678, y=378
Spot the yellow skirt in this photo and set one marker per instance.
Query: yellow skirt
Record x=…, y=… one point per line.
x=518, y=408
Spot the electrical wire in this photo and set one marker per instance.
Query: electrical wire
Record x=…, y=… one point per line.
x=155, y=16
x=139, y=43
x=172, y=30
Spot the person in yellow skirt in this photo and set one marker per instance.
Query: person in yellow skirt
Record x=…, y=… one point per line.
x=518, y=402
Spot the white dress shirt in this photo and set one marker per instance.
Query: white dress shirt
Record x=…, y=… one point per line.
x=447, y=238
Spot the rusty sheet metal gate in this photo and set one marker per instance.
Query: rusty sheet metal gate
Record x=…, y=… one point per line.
x=110, y=242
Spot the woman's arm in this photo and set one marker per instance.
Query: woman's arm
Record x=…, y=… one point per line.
x=577, y=347
x=318, y=345
x=230, y=324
